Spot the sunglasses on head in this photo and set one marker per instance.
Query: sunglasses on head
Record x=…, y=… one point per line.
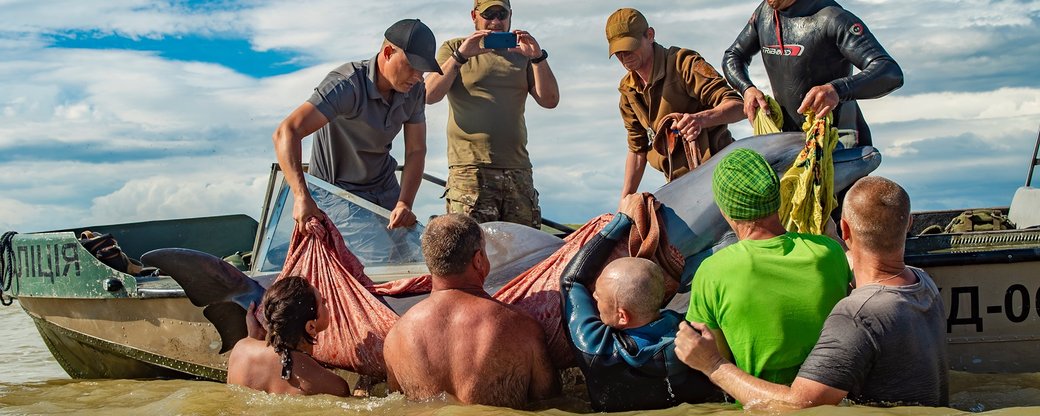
x=492, y=14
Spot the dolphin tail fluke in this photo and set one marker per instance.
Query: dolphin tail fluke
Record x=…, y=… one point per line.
x=230, y=321
x=210, y=282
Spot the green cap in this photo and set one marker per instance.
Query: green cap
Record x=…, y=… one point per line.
x=745, y=186
x=481, y=5
x=625, y=30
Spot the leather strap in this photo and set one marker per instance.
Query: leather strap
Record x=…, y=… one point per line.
x=667, y=139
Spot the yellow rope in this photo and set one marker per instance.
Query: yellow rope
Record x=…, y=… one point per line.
x=768, y=124
x=807, y=188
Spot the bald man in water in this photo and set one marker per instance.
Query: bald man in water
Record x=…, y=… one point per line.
x=622, y=339
x=460, y=341
x=885, y=343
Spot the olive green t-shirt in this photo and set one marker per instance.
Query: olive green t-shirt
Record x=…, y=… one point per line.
x=770, y=298
x=486, y=126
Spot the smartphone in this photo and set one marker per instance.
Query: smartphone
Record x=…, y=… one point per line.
x=500, y=40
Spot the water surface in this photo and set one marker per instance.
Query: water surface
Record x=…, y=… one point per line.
x=32, y=383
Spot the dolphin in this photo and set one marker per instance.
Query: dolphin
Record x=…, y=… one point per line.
x=692, y=223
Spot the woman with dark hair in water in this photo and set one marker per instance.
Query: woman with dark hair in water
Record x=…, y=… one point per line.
x=281, y=361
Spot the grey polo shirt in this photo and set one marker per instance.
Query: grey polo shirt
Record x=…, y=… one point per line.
x=353, y=150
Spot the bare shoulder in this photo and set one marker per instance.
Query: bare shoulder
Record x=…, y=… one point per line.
x=415, y=317
x=245, y=350
x=247, y=356
x=411, y=326
x=316, y=379
x=421, y=311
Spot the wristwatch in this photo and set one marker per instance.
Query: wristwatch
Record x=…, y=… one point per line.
x=545, y=55
x=459, y=58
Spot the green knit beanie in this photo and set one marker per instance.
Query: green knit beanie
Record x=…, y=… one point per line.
x=745, y=186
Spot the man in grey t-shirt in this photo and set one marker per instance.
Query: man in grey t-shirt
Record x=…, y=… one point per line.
x=883, y=344
x=357, y=110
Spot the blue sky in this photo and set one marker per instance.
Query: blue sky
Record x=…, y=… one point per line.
x=130, y=110
x=232, y=51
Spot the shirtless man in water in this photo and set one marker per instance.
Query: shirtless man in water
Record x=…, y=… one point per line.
x=460, y=341
x=280, y=361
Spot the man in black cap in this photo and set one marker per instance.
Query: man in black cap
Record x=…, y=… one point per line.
x=357, y=110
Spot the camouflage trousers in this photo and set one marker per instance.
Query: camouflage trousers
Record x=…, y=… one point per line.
x=489, y=194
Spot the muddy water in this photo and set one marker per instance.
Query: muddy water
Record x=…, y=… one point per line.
x=31, y=382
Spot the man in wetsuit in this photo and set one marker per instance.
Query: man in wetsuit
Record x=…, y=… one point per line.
x=459, y=340
x=809, y=48
x=622, y=339
x=663, y=82
x=885, y=343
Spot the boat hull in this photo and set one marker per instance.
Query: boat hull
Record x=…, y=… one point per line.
x=129, y=338
x=993, y=316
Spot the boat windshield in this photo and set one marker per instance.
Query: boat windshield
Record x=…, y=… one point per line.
x=361, y=223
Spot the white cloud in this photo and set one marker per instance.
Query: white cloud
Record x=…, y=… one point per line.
x=180, y=196
x=111, y=136
x=15, y=213
x=132, y=18
x=1000, y=103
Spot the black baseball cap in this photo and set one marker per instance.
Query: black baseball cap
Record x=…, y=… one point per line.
x=418, y=43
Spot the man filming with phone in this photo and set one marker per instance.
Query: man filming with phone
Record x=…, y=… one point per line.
x=487, y=77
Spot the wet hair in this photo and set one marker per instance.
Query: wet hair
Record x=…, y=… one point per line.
x=878, y=213
x=449, y=243
x=288, y=305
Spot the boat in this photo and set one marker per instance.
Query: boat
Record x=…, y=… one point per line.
x=989, y=280
x=103, y=323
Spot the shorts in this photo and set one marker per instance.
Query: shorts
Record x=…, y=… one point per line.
x=489, y=194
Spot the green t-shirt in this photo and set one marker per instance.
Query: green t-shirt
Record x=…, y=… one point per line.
x=486, y=126
x=770, y=299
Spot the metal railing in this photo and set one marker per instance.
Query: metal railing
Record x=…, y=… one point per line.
x=1034, y=161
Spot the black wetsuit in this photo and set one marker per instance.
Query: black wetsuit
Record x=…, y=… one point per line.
x=632, y=369
x=821, y=42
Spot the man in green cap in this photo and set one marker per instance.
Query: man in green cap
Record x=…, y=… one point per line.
x=663, y=82
x=489, y=169
x=885, y=343
x=765, y=298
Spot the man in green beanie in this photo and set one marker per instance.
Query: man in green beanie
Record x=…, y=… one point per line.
x=765, y=298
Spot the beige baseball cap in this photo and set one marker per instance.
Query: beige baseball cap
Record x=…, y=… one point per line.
x=481, y=5
x=625, y=30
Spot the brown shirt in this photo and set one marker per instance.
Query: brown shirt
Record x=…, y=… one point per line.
x=486, y=126
x=681, y=82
